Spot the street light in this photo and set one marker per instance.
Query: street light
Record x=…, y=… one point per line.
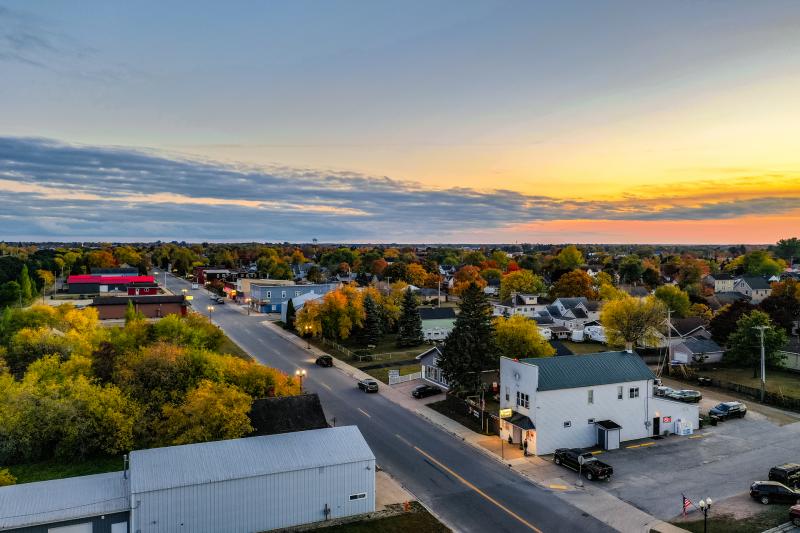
x=300, y=375
x=763, y=364
x=210, y=309
x=705, y=506
x=308, y=338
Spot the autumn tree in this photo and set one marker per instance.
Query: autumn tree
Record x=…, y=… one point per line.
x=569, y=258
x=631, y=269
x=724, y=322
x=573, y=284
x=410, y=325
x=744, y=344
x=675, y=299
x=465, y=276
x=788, y=249
x=416, y=274
x=701, y=311
x=25, y=286
x=469, y=348
x=521, y=281
x=633, y=321
x=519, y=337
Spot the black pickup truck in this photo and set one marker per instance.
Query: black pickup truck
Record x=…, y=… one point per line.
x=583, y=461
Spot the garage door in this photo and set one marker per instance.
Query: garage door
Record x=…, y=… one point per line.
x=119, y=527
x=75, y=528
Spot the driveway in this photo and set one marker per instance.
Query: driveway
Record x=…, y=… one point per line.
x=406, y=388
x=720, y=462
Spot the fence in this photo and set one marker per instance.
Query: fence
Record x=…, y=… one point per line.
x=338, y=347
x=395, y=379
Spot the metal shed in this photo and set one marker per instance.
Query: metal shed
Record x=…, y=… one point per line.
x=252, y=484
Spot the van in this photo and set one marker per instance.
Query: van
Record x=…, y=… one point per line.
x=788, y=474
x=195, y=286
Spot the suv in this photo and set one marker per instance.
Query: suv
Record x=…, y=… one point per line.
x=773, y=492
x=660, y=390
x=324, y=360
x=423, y=391
x=728, y=410
x=788, y=474
x=687, y=396
x=583, y=461
x=368, y=385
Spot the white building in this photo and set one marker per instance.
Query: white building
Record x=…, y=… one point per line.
x=517, y=304
x=571, y=401
x=756, y=288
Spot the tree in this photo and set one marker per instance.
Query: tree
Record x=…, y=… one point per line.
x=633, y=321
x=416, y=274
x=410, y=330
x=47, y=278
x=724, y=322
x=675, y=299
x=465, y=276
x=744, y=344
x=757, y=263
x=131, y=314
x=290, y=315
x=9, y=293
x=25, y=287
x=521, y=281
x=314, y=274
x=519, y=337
x=631, y=269
x=701, y=311
x=309, y=321
x=469, y=348
x=373, y=321
x=573, y=284
x=6, y=478
x=788, y=249
x=651, y=277
x=569, y=258
x=692, y=271
x=783, y=309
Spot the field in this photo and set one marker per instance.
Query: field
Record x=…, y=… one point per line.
x=418, y=520
x=55, y=469
x=780, y=382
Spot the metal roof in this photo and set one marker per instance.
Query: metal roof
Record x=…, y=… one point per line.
x=701, y=345
x=603, y=368
x=57, y=500
x=436, y=313
x=210, y=462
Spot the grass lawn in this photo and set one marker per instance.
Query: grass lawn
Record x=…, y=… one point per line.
x=383, y=373
x=55, y=469
x=773, y=516
x=585, y=347
x=417, y=520
x=230, y=347
x=781, y=382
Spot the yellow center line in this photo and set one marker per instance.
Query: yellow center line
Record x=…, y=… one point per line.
x=326, y=386
x=480, y=492
x=642, y=445
x=404, y=440
x=363, y=412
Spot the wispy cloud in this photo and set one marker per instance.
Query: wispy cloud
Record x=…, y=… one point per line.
x=55, y=190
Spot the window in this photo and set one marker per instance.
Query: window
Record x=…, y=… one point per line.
x=297, y=293
x=568, y=424
x=360, y=496
x=522, y=400
x=590, y=421
x=590, y=396
x=633, y=392
x=283, y=295
x=507, y=396
x=619, y=393
x=269, y=294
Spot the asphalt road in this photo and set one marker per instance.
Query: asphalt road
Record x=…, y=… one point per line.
x=467, y=490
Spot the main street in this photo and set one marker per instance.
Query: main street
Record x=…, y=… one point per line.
x=466, y=489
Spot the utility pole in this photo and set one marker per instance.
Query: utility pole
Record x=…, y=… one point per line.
x=763, y=361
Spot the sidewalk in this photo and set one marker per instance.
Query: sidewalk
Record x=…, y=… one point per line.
x=590, y=498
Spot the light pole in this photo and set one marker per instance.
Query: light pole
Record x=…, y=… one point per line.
x=300, y=375
x=210, y=309
x=763, y=362
x=308, y=338
x=705, y=506
x=247, y=301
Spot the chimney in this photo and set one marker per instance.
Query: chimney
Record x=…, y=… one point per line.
x=629, y=347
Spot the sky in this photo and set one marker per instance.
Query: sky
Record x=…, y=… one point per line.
x=436, y=122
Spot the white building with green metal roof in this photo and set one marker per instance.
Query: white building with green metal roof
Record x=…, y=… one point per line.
x=581, y=401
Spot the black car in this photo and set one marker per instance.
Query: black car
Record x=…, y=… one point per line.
x=773, y=492
x=423, y=391
x=324, y=360
x=219, y=300
x=726, y=410
x=788, y=474
x=583, y=461
x=368, y=385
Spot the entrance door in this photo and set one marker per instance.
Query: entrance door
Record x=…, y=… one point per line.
x=517, y=439
x=657, y=425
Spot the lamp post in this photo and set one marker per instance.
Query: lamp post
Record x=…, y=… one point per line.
x=763, y=363
x=300, y=373
x=247, y=301
x=705, y=506
x=308, y=338
x=210, y=309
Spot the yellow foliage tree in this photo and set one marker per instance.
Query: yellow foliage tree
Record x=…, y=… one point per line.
x=519, y=337
x=633, y=321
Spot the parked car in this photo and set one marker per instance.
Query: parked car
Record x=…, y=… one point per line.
x=368, y=385
x=583, y=461
x=219, y=300
x=195, y=286
x=773, y=492
x=423, y=391
x=687, y=396
x=324, y=360
x=794, y=515
x=788, y=474
x=727, y=410
x=663, y=391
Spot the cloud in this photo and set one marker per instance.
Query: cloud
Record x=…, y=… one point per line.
x=52, y=190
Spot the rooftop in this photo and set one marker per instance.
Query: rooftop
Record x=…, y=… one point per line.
x=757, y=283
x=702, y=345
x=109, y=280
x=148, y=299
x=602, y=368
x=436, y=313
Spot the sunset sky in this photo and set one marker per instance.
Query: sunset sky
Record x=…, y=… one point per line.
x=363, y=121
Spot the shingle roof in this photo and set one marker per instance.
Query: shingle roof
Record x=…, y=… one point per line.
x=58, y=500
x=554, y=311
x=684, y=326
x=591, y=369
x=436, y=313
x=701, y=345
x=756, y=283
x=210, y=462
x=569, y=303
x=579, y=313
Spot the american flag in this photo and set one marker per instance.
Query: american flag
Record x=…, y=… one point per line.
x=687, y=503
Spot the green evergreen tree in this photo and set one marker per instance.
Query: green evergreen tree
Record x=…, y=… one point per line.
x=469, y=348
x=291, y=314
x=25, y=286
x=373, y=321
x=410, y=323
x=744, y=344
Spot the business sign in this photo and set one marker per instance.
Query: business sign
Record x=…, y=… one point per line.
x=506, y=413
x=667, y=419
x=189, y=297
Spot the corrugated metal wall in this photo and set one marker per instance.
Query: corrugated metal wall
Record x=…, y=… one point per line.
x=259, y=503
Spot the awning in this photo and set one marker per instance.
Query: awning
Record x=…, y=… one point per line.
x=608, y=424
x=521, y=421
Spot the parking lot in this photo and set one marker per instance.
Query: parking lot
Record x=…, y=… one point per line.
x=720, y=462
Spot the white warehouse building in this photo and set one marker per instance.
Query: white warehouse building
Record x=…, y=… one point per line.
x=581, y=401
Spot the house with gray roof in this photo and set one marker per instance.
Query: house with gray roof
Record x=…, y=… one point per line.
x=696, y=351
x=755, y=287
x=585, y=400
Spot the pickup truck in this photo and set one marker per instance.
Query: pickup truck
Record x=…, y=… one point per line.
x=583, y=461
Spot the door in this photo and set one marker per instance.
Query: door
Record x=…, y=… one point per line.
x=657, y=425
x=119, y=527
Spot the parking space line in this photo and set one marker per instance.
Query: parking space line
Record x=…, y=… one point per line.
x=597, y=452
x=363, y=412
x=642, y=445
x=558, y=487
